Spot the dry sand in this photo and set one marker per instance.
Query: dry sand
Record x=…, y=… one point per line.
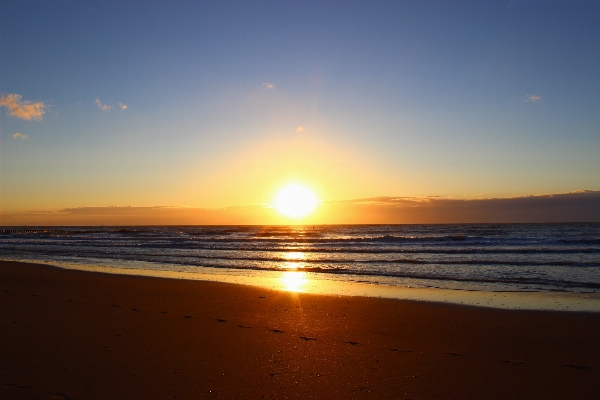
x=84, y=335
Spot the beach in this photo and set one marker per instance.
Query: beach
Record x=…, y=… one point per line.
x=88, y=335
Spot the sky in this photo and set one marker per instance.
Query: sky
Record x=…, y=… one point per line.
x=211, y=107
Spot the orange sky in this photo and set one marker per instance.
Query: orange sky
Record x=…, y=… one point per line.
x=570, y=207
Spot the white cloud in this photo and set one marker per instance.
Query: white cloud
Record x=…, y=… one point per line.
x=20, y=136
x=533, y=98
x=22, y=109
x=108, y=107
x=299, y=129
x=103, y=107
x=268, y=85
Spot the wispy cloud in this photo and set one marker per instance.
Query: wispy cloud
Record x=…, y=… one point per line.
x=20, y=136
x=103, y=107
x=158, y=215
x=299, y=129
x=268, y=85
x=108, y=107
x=580, y=206
x=533, y=98
x=26, y=110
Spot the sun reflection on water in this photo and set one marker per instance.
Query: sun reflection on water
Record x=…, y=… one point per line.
x=293, y=280
x=295, y=260
x=294, y=255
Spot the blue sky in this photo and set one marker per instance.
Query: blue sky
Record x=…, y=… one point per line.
x=455, y=99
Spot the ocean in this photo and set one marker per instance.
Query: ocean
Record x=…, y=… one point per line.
x=484, y=257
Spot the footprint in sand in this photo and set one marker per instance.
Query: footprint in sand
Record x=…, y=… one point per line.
x=579, y=367
x=400, y=351
x=513, y=362
x=456, y=354
x=13, y=386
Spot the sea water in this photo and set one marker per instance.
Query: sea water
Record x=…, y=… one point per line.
x=481, y=257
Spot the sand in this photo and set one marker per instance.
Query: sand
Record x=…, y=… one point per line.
x=88, y=335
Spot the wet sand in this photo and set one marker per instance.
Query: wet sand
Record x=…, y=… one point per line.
x=88, y=335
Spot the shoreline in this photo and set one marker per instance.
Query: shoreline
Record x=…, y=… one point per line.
x=76, y=334
x=316, y=284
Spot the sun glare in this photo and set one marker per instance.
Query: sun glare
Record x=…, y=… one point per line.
x=293, y=281
x=295, y=200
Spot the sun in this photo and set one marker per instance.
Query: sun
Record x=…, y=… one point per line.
x=295, y=200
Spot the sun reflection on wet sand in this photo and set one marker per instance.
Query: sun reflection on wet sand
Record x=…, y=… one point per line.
x=293, y=281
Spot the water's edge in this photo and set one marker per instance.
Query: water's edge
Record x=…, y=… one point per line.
x=305, y=282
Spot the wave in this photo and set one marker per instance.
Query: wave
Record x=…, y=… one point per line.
x=566, y=254
x=246, y=246
x=127, y=231
x=549, y=284
x=221, y=235
x=190, y=257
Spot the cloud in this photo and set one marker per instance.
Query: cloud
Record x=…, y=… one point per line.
x=132, y=215
x=581, y=206
x=268, y=85
x=108, y=107
x=22, y=109
x=533, y=98
x=103, y=107
x=20, y=136
x=299, y=129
